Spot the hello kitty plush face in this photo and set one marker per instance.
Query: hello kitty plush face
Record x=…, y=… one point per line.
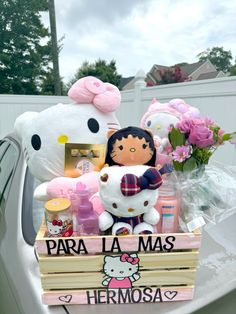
x=114, y=200
x=88, y=120
x=159, y=123
x=121, y=266
x=55, y=228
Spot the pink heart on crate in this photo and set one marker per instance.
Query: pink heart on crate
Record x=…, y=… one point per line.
x=170, y=294
x=65, y=298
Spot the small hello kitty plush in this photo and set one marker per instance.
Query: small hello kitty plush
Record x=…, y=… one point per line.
x=160, y=117
x=128, y=195
x=55, y=228
x=121, y=271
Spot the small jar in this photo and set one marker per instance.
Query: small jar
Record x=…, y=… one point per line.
x=59, y=218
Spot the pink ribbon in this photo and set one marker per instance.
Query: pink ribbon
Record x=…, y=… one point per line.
x=90, y=90
x=57, y=223
x=127, y=258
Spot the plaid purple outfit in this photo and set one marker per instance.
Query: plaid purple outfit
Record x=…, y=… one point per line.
x=133, y=221
x=131, y=184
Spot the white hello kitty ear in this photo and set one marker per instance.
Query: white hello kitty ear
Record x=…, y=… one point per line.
x=108, y=259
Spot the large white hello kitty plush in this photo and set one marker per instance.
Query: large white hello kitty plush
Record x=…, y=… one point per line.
x=160, y=117
x=128, y=195
x=87, y=120
x=121, y=271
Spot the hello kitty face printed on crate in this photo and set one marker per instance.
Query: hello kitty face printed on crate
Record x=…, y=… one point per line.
x=87, y=120
x=121, y=271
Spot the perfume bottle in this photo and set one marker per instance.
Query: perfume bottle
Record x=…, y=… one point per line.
x=168, y=206
x=87, y=218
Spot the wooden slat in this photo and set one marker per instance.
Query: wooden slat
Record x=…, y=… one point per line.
x=94, y=280
x=148, y=295
x=85, y=263
x=104, y=244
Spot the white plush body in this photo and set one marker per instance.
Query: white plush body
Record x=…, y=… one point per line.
x=68, y=121
x=110, y=194
x=159, y=123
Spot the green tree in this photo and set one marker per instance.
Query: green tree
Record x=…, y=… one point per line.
x=218, y=56
x=47, y=86
x=24, y=59
x=107, y=72
x=233, y=69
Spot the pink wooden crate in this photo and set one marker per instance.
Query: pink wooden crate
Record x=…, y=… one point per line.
x=81, y=270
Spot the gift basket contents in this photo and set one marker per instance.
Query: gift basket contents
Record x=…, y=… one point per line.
x=124, y=207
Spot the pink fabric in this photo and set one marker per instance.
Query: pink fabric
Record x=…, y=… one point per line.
x=90, y=90
x=176, y=107
x=61, y=185
x=116, y=284
x=162, y=159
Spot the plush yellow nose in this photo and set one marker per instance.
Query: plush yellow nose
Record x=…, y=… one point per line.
x=132, y=149
x=158, y=126
x=130, y=210
x=62, y=139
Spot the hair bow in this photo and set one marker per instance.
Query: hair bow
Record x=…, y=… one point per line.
x=57, y=223
x=131, y=184
x=90, y=90
x=127, y=258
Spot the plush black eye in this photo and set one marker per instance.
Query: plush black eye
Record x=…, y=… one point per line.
x=114, y=205
x=93, y=125
x=145, y=203
x=120, y=147
x=130, y=268
x=144, y=146
x=36, y=142
x=149, y=123
x=112, y=270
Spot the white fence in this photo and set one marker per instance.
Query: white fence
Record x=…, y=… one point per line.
x=215, y=98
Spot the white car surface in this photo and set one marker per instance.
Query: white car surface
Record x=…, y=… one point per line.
x=20, y=288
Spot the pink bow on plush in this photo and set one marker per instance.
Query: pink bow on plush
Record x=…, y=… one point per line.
x=127, y=258
x=90, y=90
x=57, y=223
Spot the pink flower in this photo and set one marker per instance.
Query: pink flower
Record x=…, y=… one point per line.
x=186, y=125
x=208, y=121
x=181, y=153
x=201, y=136
x=220, y=135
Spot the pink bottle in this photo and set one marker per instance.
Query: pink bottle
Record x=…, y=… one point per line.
x=168, y=206
x=87, y=218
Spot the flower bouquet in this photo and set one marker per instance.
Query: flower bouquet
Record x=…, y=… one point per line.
x=194, y=141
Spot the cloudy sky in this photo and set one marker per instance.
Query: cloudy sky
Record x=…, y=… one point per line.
x=140, y=33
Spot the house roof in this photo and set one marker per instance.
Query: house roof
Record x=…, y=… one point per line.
x=190, y=68
x=125, y=80
x=209, y=75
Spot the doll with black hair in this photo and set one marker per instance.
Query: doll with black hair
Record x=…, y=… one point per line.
x=131, y=146
x=132, y=149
